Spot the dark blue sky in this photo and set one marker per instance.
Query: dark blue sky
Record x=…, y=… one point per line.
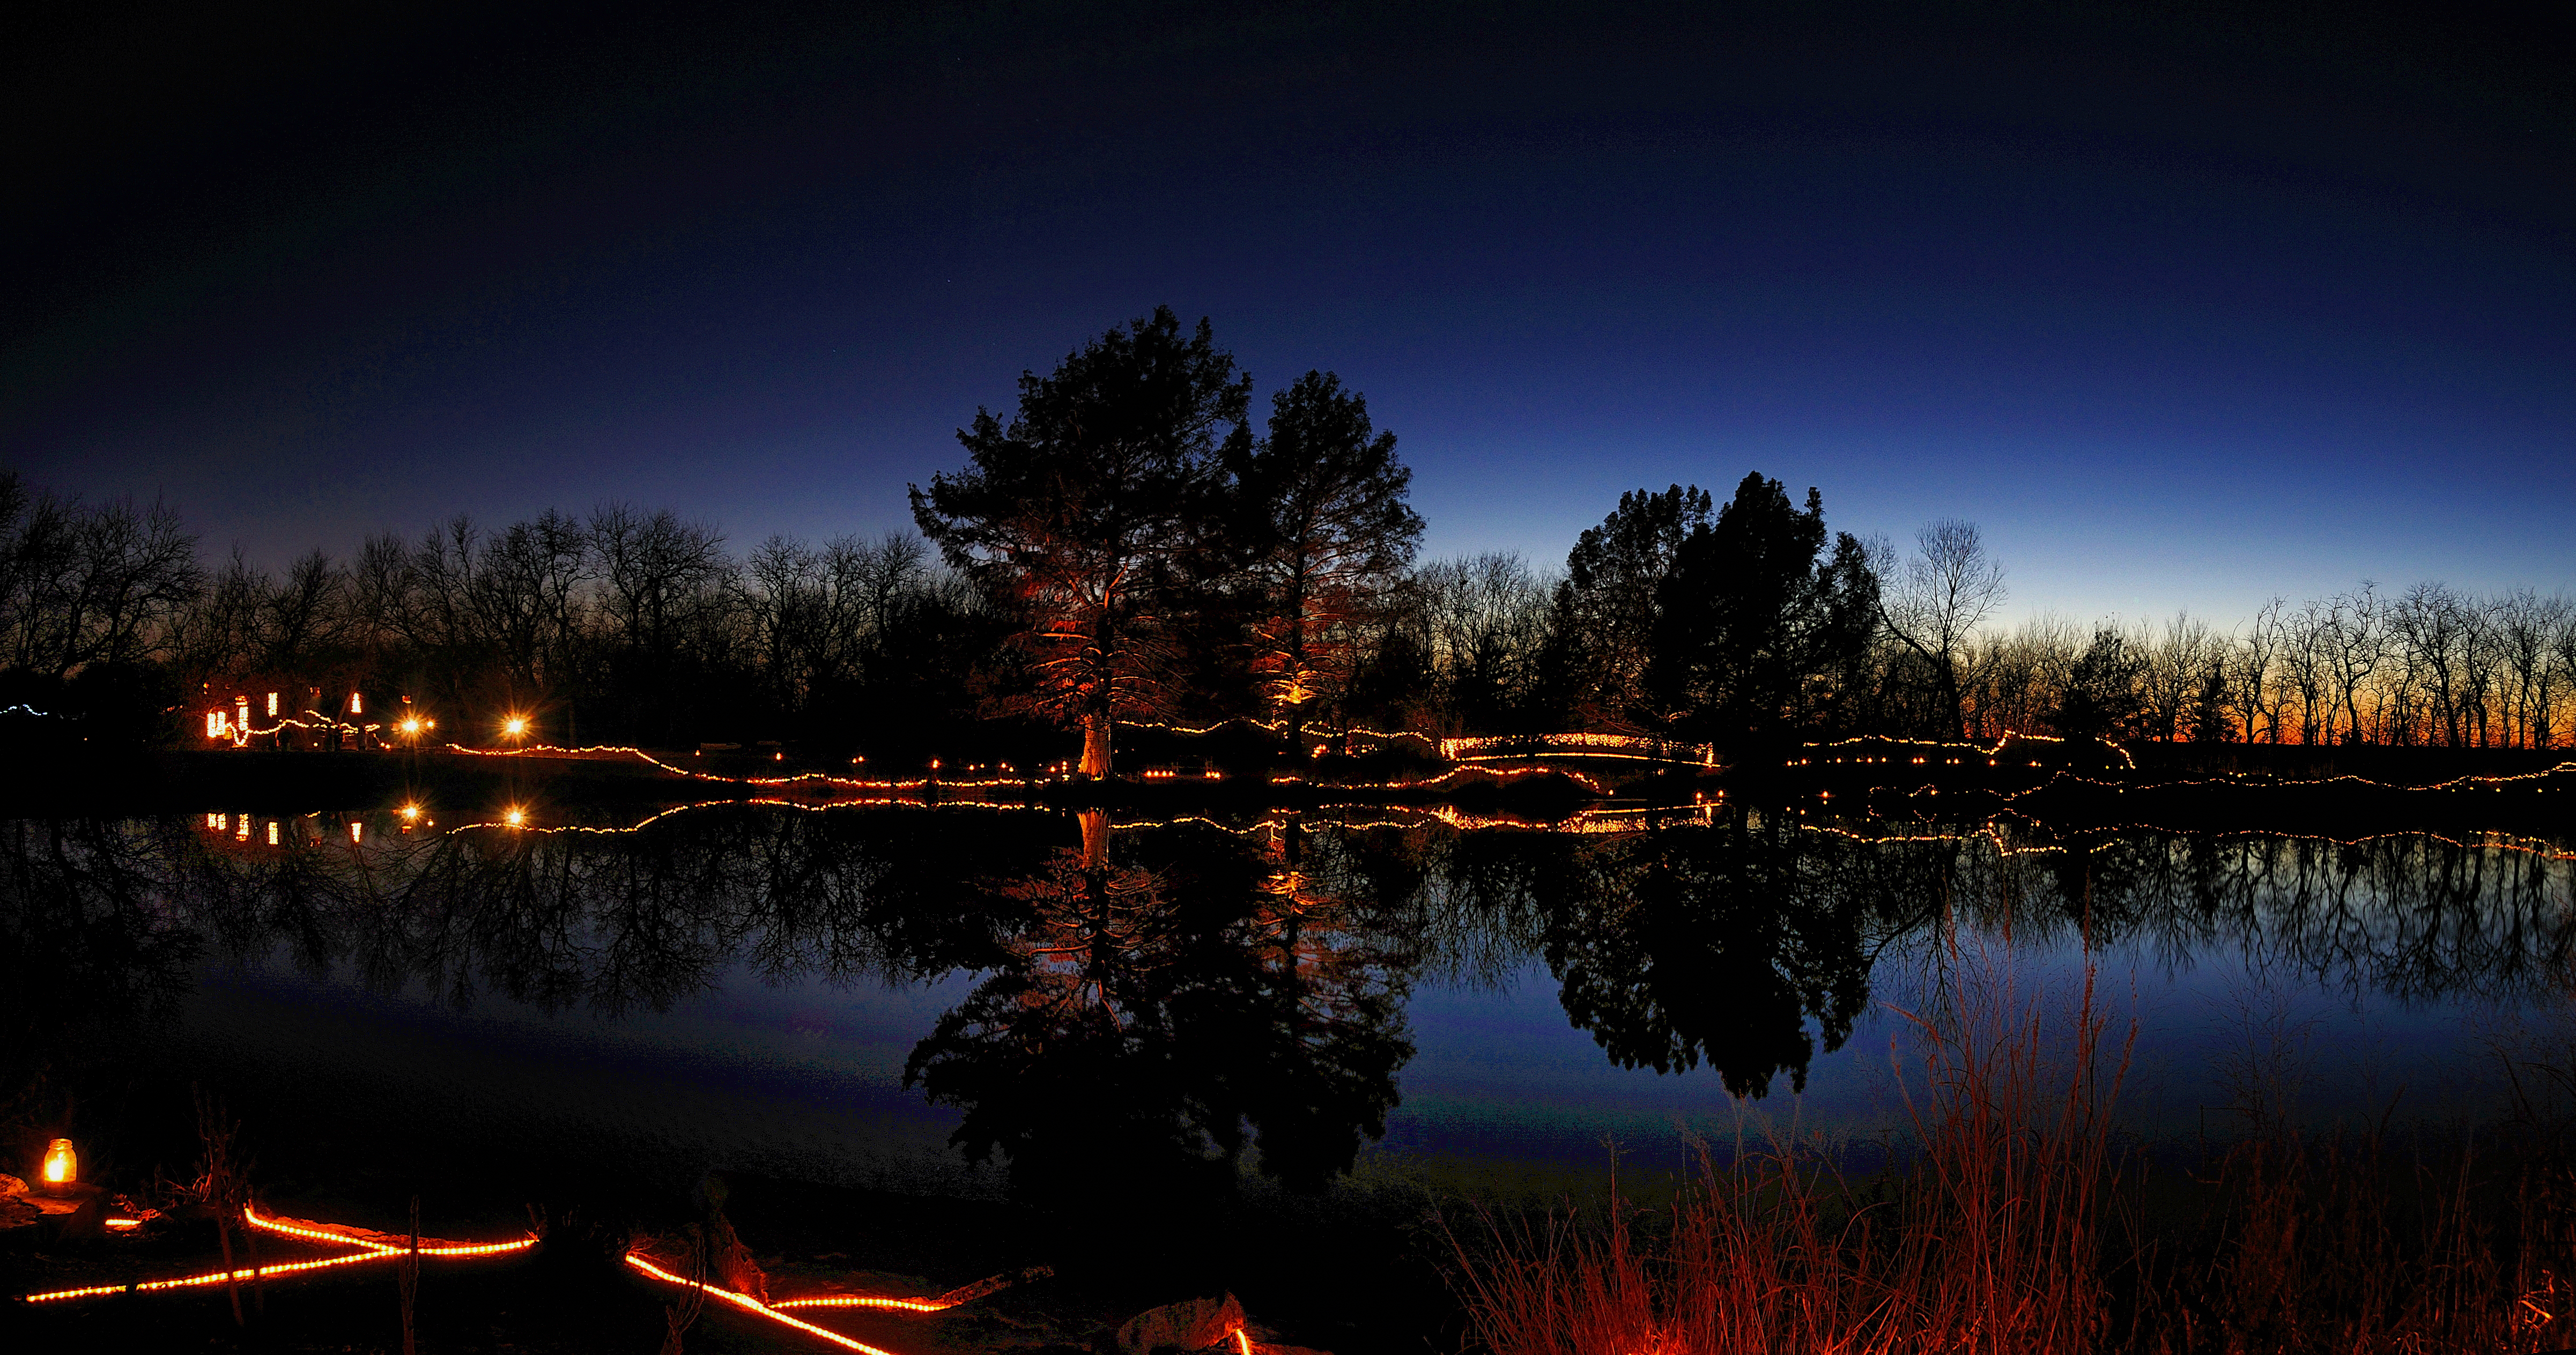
x=2185, y=306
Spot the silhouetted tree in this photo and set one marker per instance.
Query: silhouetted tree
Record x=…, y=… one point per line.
x=1938, y=598
x=1714, y=944
x=1602, y=619
x=1485, y=620
x=83, y=584
x=1762, y=632
x=1327, y=534
x=2102, y=698
x=2209, y=723
x=1140, y=1020
x=1084, y=512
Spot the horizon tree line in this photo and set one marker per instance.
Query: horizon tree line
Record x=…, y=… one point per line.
x=1126, y=548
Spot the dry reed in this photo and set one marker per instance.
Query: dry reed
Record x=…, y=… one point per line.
x=2014, y=1223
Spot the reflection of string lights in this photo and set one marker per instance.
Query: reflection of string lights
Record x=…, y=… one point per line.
x=601, y=752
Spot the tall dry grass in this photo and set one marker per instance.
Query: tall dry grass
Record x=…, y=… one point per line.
x=2015, y=1223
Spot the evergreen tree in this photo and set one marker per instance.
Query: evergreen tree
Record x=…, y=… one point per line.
x=1762, y=632
x=1087, y=514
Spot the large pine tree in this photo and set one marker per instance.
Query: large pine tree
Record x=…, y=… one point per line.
x=1086, y=513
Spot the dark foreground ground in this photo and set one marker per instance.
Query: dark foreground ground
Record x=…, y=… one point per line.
x=1353, y=1276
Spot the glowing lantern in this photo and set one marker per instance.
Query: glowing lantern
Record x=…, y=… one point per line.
x=62, y=1165
x=516, y=726
x=357, y=704
x=411, y=811
x=516, y=816
x=357, y=831
x=272, y=832
x=214, y=724
x=272, y=705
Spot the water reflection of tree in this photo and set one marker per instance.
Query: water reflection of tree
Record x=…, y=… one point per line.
x=1170, y=1001
x=2411, y=917
x=1146, y=1020
x=93, y=955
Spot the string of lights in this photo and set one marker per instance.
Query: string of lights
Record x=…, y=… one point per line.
x=1993, y=754
x=369, y=1249
x=241, y=732
x=774, y=1310
x=600, y=751
x=752, y=1305
x=1565, y=745
x=521, y=825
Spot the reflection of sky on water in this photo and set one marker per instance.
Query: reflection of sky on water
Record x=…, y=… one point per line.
x=1500, y=1072
x=797, y=1079
x=804, y=1079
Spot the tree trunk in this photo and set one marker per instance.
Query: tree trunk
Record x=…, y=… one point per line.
x=1095, y=745
x=1095, y=838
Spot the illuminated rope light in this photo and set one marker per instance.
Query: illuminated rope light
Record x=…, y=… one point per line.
x=862, y=1301
x=1539, y=745
x=596, y=752
x=369, y=1250
x=752, y=1305
x=1882, y=741
x=241, y=730
x=1279, y=726
x=764, y=802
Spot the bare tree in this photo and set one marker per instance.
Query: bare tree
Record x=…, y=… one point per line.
x=2356, y=635
x=1487, y=621
x=2562, y=649
x=2431, y=624
x=1939, y=597
x=2176, y=666
x=2525, y=624
x=2305, y=653
x=305, y=611
x=2250, y=667
x=81, y=585
x=658, y=572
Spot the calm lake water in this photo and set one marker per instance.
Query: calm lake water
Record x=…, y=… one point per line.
x=877, y=996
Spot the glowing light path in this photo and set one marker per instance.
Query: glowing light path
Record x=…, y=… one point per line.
x=369, y=1249
x=383, y=1247
x=1242, y=1340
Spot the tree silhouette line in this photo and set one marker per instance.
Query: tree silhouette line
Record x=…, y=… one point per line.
x=1124, y=546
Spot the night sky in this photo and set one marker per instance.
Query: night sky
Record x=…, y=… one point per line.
x=2184, y=307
